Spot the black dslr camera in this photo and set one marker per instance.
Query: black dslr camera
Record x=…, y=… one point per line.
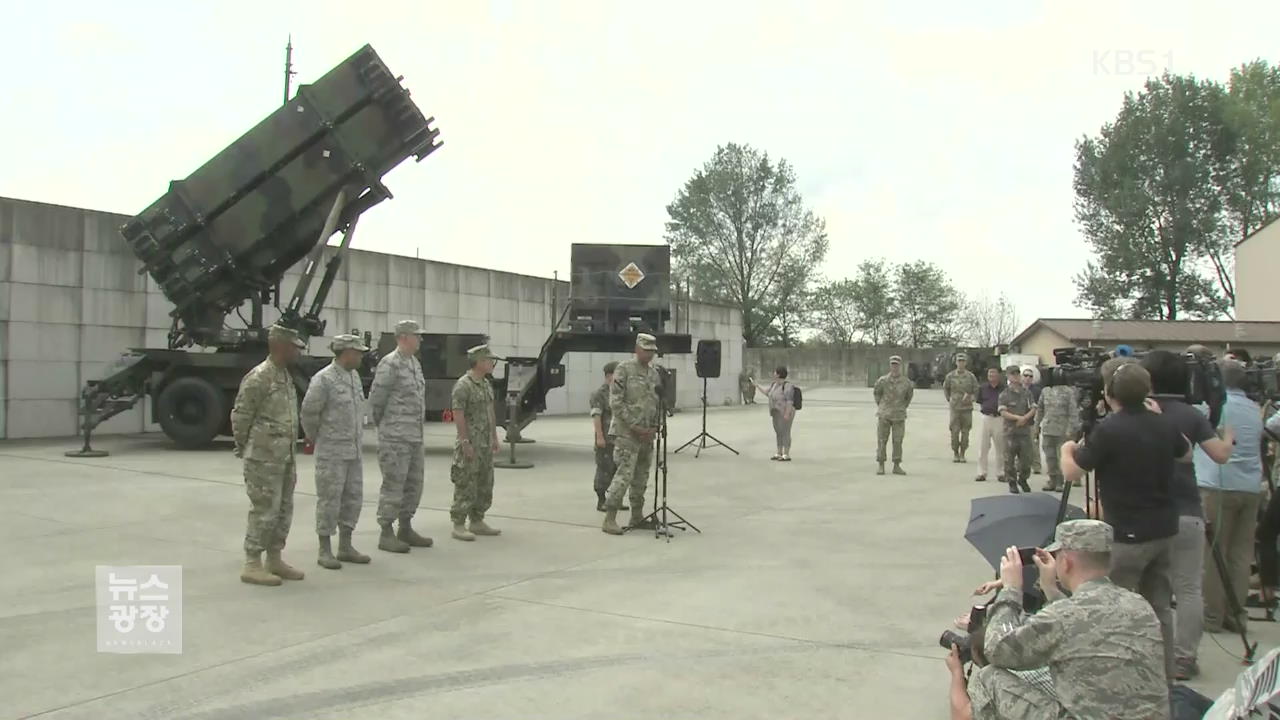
x=977, y=618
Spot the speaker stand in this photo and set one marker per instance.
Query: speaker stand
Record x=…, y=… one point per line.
x=702, y=437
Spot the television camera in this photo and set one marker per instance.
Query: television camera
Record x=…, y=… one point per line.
x=1082, y=368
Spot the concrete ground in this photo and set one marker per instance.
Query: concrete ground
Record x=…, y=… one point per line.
x=816, y=588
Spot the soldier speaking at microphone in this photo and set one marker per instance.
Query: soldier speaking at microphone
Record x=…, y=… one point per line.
x=633, y=398
x=333, y=420
x=264, y=423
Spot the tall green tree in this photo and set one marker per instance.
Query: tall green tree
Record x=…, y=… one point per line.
x=873, y=295
x=1147, y=201
x=927, y=305
x=741, y=235
x=1250, y=183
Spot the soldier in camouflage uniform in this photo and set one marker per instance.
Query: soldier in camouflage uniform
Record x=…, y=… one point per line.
x=1102, y=644
x=333, y=420
x=633, y=398
x=601, y=416
x=1058, y=419
x=264, y=423
x=960, y=388
x=893, y=393
x=1019, y=411
x=473, y=450
x=398, y=404
x=746, y=388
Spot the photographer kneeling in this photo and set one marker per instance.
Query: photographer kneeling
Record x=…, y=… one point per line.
x=1102, y=645
x=1133, y=452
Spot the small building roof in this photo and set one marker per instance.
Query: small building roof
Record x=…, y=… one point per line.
x=1216, y=332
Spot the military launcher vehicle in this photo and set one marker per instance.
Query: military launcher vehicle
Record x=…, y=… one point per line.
x=226, y=235
x=615, y=292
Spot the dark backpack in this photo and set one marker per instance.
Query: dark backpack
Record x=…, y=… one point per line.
x=797, y=397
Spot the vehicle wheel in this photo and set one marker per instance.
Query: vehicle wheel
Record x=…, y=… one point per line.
x=191, y=412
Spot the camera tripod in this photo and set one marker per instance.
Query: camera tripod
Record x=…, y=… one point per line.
x=1233, y=602
x=702, y=437
x=660, y=518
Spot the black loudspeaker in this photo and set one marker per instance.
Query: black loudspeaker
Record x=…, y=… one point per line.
x=707, y=363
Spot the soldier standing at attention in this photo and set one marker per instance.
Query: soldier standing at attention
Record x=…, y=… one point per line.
x=893, y=394
x=1018, y=410
x=264, y=422
x=601, y=416
x=1058, y=419
x=398, y=403
x=333, y=420
x=1029, y=381
x=960, y=388
x=633, y=398
x=476, y=444
x=746, y=387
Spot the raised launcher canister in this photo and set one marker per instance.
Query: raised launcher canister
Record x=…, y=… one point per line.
x=230, y=230
x=228, y=233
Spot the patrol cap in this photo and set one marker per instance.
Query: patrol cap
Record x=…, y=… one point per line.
x=285, y=334
x=347, y=342
x=1082, y=535
x=645, y=341
x=480, y=352
x=895, y=360
x=407, y=327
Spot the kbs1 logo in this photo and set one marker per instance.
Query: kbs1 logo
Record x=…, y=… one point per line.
x=1131, y=62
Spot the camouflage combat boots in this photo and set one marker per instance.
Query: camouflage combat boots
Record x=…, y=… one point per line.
x=611, y=522
x=253, y=572
x=277, y=566
x=325, y=558
x=410, y=537
x=347, y=552
x=480, y=527
x=879, y=468
x=897, y=469
x=460, y=532
x=388, y=540
x=638, y=520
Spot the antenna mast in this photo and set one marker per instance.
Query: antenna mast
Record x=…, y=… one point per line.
x=288, y=69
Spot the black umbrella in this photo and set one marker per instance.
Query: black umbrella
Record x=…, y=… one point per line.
x=1025, y=520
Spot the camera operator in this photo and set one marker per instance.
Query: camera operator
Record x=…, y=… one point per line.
x=1132, y=453
x=1169, y=381
x=1101, y=645
x=1269, y=527
x=1231, y=494
x=992, y=693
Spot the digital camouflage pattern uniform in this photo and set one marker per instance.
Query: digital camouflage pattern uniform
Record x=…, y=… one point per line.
x=473, y=476
x=960, y=387
x=1059, y=419
x=333, y=418
x=1017, y=449
x=397, y=402
x=264, y=423
x=604, y=455
x=999, y=694
x=1102, y=644
x=633, y=398
x=893, y=395
x=746, y=388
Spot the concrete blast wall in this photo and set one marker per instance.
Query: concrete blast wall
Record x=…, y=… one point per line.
x=71, y=302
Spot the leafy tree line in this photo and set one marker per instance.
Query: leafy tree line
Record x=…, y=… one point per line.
x=741, y=236
x=1187, y=169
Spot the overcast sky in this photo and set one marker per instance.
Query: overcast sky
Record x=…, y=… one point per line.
x=927, y=129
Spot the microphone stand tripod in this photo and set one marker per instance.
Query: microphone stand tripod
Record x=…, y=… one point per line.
x=660, y=518
x=702, y=437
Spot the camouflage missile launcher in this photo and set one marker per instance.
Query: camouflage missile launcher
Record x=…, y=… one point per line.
x=231, y=229
x=228, y=233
